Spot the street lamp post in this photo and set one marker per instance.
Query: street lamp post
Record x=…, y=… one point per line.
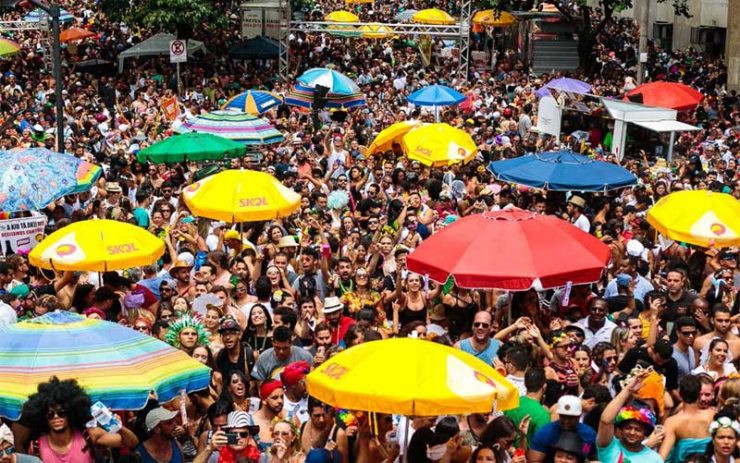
x=54, y=12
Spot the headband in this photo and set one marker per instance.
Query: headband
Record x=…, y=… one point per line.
x=186, y=321
x=724, y=422
x=269, y=387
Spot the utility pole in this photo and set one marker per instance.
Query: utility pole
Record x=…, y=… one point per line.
x=642, y=51
x=54, y=11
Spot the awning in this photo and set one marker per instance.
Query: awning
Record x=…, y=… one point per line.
x=157, y=45
x=634, y=112
x=667, y=126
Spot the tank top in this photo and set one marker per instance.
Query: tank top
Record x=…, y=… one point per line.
x=147, y=458
x=75, y=454
x=487, y=354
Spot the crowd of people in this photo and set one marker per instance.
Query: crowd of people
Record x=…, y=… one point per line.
x=639, y=366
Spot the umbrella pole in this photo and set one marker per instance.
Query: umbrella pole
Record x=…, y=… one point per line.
x=669, y=156
x=406, y=441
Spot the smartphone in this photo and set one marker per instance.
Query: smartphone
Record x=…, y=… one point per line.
x=232, y=438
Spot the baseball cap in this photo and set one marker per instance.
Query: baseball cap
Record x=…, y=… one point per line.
x=158, y=415
x=624, y=280
x=569, y=405
x=228, y=323
x=232, y=235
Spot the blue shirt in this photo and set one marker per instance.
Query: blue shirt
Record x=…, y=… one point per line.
x=548, y=435
x=642, y=287
x=614, y=451
x=487, y=355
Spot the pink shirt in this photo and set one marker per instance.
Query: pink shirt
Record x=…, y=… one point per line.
x=75, y=454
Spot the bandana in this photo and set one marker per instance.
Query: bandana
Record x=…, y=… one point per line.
x=295, y=372
x=269, y=387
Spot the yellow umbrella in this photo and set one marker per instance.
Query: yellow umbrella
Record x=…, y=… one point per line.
x=342, y=16
x=699, y=217
x=439, y=145
x=493, y=18
x=375, y=31
x=358, y=1
x=391, y=135
x=97, y=246
x=241, y=196
x=433, y=16
x=418, y=378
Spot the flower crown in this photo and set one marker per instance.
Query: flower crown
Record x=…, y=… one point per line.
x=185, y=321
x=724, y=422
x=558, y=338
x=643, y=415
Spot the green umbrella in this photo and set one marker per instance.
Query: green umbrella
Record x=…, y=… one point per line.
x=192, y=146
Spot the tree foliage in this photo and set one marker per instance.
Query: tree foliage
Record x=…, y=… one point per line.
x=178, y=17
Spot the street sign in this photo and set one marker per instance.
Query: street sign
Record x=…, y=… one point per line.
x=178, y=51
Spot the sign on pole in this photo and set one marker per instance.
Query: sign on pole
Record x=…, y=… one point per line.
x=178, y=51
x=21, y=234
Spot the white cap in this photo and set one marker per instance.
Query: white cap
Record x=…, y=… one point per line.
x=569, y=405
x=156, y=416
x=635, y=248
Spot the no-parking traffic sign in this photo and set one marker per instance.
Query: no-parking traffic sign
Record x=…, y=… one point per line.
x=178, y=51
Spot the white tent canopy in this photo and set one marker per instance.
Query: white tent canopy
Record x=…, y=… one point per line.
x=156, y=45
x=649, y=117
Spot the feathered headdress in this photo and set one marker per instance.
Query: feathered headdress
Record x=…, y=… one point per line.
x=185, y=321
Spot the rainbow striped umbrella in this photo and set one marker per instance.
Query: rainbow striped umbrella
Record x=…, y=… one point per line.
x=113, y=363
x=8, y=47
x=302, y=96
x=234, y=125
x=254, y=102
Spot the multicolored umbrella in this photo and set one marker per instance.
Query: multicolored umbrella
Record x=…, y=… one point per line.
x=303, y=97
x=38, y=14
x=31, y=179
x=8, y=47
x=671, y=95
x=254, y=102
x=241, y=196
x=336, y=82
x=562, y=171
x=419, y=378
x=191, y=146
x=521, y=256
x=97, y=246
x=114, y=364
x=433, y=16
x=699, y=217
x=75, y=33
x=234, y=125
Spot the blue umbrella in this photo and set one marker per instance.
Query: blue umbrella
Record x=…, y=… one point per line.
x=436, y=95
x=405, y=15
x=303, y=97
x=253, y=102
x=37, y=14
x=562, y=171
x=30, y=179
x=336, y=82
x=565, y=84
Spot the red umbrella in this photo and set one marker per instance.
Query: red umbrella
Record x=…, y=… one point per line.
x=512, y=250
x=667, y=95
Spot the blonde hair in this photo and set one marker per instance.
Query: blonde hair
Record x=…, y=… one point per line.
x=729, y=392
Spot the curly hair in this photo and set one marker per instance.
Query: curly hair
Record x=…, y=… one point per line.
x=65, y=393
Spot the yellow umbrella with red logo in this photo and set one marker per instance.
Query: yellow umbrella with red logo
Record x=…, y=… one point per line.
x=439, y=145
x=241, y=196
x=97, y=246
x=419, y=378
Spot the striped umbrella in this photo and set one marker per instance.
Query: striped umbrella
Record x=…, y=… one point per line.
x=336, y=82
x=8, y=47
x=253, y=102
x=234, y=125
x=114, y=364
x=303, y=96
x=38, y=14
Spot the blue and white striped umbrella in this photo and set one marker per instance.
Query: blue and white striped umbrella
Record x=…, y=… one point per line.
x=37, y=14
x=303, y=97
x=253, y=102
x=336, y=82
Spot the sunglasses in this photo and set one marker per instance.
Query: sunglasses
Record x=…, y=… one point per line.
x=281, y=433
x=688, y=333
x=60, y=412
x=481, y=325
x=242, y=434
x=141, y=328
x=9, y=451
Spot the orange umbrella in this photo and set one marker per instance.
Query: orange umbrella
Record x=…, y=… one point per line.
x=75, y=33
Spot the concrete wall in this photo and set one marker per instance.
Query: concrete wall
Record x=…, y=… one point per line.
x=732, y=50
